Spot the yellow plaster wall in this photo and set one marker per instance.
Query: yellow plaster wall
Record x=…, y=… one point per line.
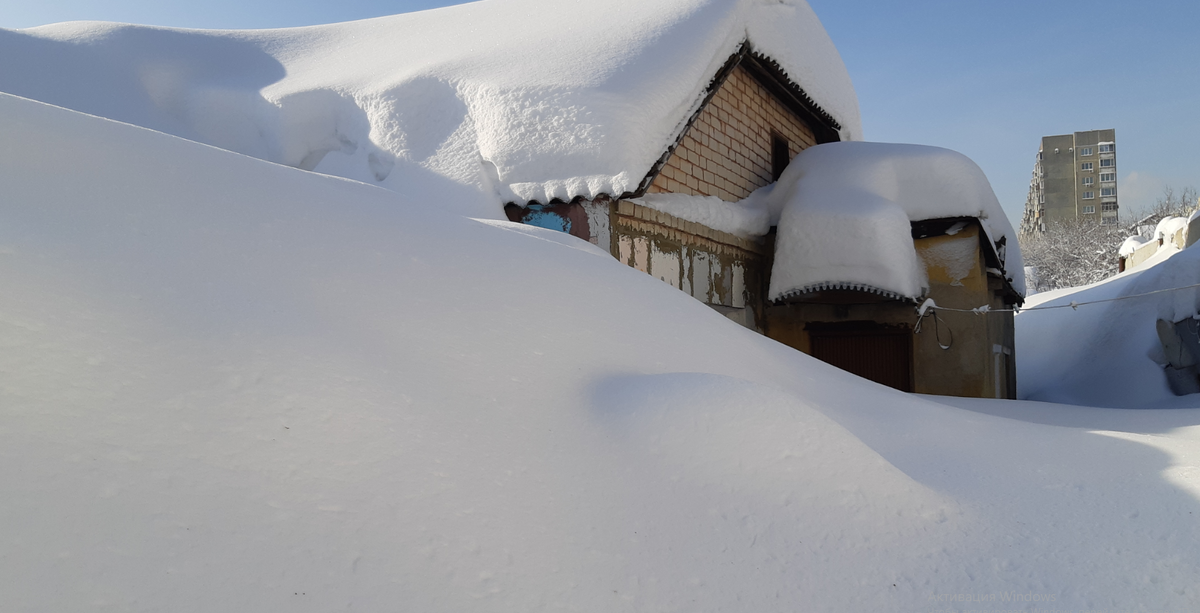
x=971, y=366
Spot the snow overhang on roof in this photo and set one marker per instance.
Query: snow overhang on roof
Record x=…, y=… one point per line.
x=520, y=100
x=848, y=209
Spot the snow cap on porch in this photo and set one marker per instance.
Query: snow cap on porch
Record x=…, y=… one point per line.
x=847, y=211
x=468, y=106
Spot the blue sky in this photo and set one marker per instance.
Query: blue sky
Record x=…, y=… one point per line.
x=984, y=78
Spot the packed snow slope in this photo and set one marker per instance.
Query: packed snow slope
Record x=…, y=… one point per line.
x=227, y=384
x=477, y=104
x=1108, y=354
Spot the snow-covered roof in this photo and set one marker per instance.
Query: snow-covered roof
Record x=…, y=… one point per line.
x=1131, y=244
x=1167, y=226
x=848, y=209
x=520, y=99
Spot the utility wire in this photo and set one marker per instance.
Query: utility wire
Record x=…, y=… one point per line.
x=930, y=304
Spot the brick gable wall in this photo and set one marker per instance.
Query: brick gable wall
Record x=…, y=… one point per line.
x=726, y=152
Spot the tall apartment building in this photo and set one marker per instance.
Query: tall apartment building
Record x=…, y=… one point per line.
x=1075, y=177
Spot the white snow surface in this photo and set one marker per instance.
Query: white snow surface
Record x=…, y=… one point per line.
x=847, y=213
x=748, y=218
x=1108, y=354
x=476, y=105
x=231, y=385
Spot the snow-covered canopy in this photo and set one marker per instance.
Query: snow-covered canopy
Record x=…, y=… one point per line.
x=847, y=213
x=515, y=100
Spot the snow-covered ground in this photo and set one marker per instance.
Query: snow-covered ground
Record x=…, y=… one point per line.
x=230, y=384
x=1108, y=354
x=227, y=384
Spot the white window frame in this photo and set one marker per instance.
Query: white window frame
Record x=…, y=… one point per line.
x=1106, y=148
x=1085, y=151
x=1089, y=209
x=1111, y=163
x=1089, y=195
x=1088, y=180
x=1086, y=166
x=1108, y=191
x=1108, y=176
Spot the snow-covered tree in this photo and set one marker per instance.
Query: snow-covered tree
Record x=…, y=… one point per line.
x=1072, y=253
x=1169, y=204
x=1078, y=252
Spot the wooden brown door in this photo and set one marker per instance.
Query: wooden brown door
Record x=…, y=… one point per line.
x=872, y=351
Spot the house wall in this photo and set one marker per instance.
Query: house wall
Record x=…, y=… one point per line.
x=721, y=270
x=980, y=360
x=726, y=152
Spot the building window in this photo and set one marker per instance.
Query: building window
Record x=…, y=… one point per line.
x=1109, y=221
x=1108, y=191
x=1085, y=151
x=1088, y=180
x=1089, y=195
x=1108, y=163
x=779, y=155
x=1091, y=208
x=1108, y=176
x=1085, y=166
x=1106, y=148
x=1108, y=206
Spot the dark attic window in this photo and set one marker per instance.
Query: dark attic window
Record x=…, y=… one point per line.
x=779, y=155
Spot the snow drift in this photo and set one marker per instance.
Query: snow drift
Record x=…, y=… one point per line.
x=1108, y=354
x=238, y=385
x=228, y=384
x=469, y=106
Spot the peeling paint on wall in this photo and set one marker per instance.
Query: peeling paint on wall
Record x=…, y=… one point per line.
x=701, y=276
x=738, y=293
x=598, y=213
x=666, y=265
x=717, y=269
x=951, y=259
x=641, y=254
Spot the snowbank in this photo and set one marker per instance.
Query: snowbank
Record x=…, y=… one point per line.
x=1108, y=354
x=469, y=106
x=848, y=208
x=231, y=385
